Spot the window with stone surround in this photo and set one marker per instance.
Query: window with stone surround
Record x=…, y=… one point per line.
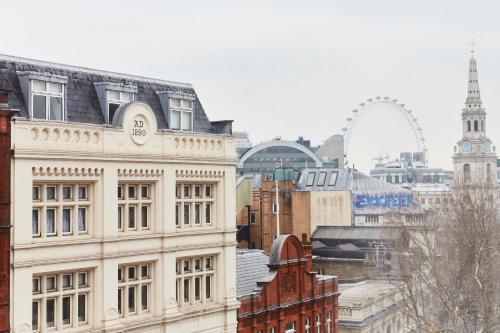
x=134, y=289
x=194, y=204
x=61, y=209
x=194, y=280
x=135, y=202
x=61, y=300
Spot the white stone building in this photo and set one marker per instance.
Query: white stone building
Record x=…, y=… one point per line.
x=371, y=306
x=130, y=191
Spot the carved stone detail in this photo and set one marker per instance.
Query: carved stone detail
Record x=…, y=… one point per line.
x=64, y=171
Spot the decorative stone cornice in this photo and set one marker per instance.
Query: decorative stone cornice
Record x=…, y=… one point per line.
x=199, y=174
x=144, y=173
x=65, y=171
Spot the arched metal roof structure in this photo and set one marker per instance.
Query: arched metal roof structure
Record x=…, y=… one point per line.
x=279, y=143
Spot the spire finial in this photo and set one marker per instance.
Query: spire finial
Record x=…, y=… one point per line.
x=472, y=47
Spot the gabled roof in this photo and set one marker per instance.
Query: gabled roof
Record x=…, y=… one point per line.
x=82, y=102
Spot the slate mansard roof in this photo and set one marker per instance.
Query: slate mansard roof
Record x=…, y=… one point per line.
x=251, y=266
x=82, y=102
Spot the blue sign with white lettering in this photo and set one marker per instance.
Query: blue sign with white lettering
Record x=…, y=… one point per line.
x=384, y=201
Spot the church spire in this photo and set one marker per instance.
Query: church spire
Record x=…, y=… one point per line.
x=473, y=95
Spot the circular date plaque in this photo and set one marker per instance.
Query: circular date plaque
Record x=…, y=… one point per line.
x=139, y=129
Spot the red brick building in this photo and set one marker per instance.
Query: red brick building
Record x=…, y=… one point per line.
x=5, y=169
x=261, y=220
x=284, y=295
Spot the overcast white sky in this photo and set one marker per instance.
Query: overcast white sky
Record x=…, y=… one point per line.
x=286, y=68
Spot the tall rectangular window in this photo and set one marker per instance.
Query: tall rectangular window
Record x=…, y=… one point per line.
x=194, y=206
x=82, y=219
x=177, y=214
x=197, y=288
x=120, y=217
x=82, y=308
x=195, y=280
x=144, y=297
x=66, y=220
x=35, y=222
x=197, y=213
x=208, y=213
x=62, y=303
x=120, y=300
x=135, y=207
x=131, y=217
x=134, y=288
x=66, y=310
x=50, y=313
x=187, y=211
x=186, y=291
x=208, y=287
x=144, y=217
x=57, y=212
x=35, y=315
x=50, y=220
x=131, y=300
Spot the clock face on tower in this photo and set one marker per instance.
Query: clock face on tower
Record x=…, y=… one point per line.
x=466, y=146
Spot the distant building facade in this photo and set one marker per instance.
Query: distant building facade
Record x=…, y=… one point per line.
x=431, y=186
x=122, y=204
x=280, y=293
x=320, y=197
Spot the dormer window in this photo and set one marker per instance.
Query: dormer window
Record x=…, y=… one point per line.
x=44, y=95
x=178, y=108
x=181, y=114
x=48, y=100
x=115, y=99
x=112, y=95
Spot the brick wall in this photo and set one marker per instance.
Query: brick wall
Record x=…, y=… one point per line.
x=5, y=169
x=295, y=214
x=293, y=295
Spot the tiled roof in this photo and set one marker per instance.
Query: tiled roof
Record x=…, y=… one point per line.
x=251, y=266
x=82, y=102
x=366, y=184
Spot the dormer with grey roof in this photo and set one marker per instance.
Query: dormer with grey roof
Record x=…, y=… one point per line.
x=83, y=95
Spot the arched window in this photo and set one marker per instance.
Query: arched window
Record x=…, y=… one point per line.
x=466, y=173
x=488, y=172
x=476, y=126
x=468, y=125
x=482, y=125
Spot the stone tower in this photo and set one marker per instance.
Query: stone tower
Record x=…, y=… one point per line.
x=474, y=159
